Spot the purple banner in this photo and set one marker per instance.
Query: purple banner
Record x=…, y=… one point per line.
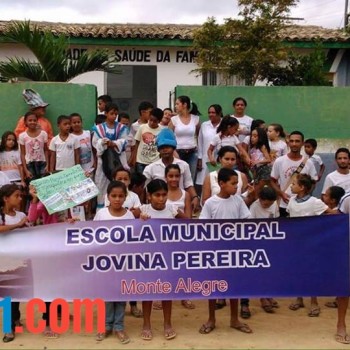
x=177, y=259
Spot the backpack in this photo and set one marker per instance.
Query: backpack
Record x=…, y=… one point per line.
x=110, y=162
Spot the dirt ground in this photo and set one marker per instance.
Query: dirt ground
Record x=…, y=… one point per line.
x=284, y=329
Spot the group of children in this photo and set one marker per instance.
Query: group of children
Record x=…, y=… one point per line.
x=126, y=193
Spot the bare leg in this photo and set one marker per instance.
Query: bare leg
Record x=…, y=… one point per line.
x=235, y=322
x=169, y=332
x=210, y=324
x=146, y=333
x=343, y=303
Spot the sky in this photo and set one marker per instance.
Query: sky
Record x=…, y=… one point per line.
x=325, y=13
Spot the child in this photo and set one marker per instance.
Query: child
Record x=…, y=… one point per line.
x=167, y=114
x=181, y=199
x=266, y=207
x=84, y=137
x=34, y=151
x=225, y=205
x=259, y=153
x=132, y=199
x=10, y=158
x=226, y=136
x=124, y=118
x=310, y=146
x=157, y=193
x=115, y=310
x=102, y=101
x=144, y=109
x=64, y=147
x=256, y=123
x=278, y=147
x=145, y=151
x=332, y=198
x=108, y=135
x=10, y=219
x=303, y=204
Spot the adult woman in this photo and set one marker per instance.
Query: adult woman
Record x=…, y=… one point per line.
x=186, y=128
x=239, y=105
x=206, y=134
x=227, y=157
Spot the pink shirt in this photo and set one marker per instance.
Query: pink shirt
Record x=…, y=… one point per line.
x=38, y=211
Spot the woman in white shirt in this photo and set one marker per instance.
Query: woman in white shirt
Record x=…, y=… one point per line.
x=206, y=134
x=186, y=128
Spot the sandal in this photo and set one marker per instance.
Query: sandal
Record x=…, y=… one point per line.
x=187, y=304
x=8, y=337
x=122, y=337
x=157, y=305
x=331, y=304
x=267, y=306
x=245, y=312
x=103, y=336
x=314, y=311
x=220, y=304
x=49, y=334
x=169, y=334
x=136, y=312
x=242, y=327
x=146, y=334
x=344, y=339
x=206, y=329
x=297, y=305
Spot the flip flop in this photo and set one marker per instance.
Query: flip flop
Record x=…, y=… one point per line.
x=243, y=327
x=136, y=312
x=146, y=334
x=187, y=304
x=103, y=336
x=169, y=334
x=49, y=334
x=268, y=308
x=314, y=311
x=245, y=312
x=206, y=329
x=122, y=337
x=296, y=306
x=8, y=337
x=331, y=304
x=344, y=339
x=157, y=305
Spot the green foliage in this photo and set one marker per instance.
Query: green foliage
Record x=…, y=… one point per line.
x=51, y=54
x=301, y=70
x=249, y=48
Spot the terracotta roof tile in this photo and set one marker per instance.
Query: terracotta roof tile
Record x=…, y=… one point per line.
x=173, y=31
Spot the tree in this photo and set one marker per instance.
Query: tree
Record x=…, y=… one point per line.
x=51, y=54
x=301, y=70
x=249, y=48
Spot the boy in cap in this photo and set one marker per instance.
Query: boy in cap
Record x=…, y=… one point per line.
x=38, y=107
x=166, y=144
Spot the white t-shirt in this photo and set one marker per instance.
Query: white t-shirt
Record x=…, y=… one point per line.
x=147, y=151
x=344, y=204
x=283, y=168
x=206, y=134
x=245, y=124
x=335, y=178
x=179, y=203
x=312, y=206
x=86, y=156
x=133, y=130
x=185, y=133
x=214, y=185
x=132, y=200
x=225, y=208
x=169, y=212
x=34, y=146
x=156, y=170
x=104, y=214
x=9, y=162
x=4, y=180
x=12, y=220
x=219, y=141
x=258, y=212
x=64, y=151
x=278, y=148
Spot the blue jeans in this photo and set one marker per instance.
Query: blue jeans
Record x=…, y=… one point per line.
x=191, y=159
x=37, y=169
x=115, y=311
